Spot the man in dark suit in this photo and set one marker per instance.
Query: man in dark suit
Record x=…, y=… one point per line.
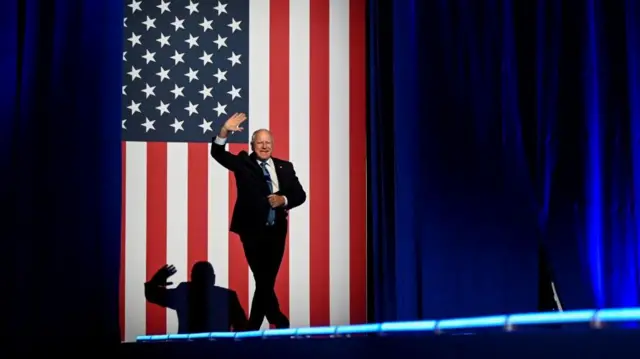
x=201, y=306
x=267, y=189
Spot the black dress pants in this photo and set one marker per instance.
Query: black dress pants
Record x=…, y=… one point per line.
x=264, y=249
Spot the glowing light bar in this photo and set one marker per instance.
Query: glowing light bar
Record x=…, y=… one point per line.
x=578, y=316
x=506, y=322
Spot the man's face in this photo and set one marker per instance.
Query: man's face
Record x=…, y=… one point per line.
x=263, y=145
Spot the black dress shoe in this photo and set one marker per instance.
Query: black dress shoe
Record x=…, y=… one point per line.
x=283, y=322
x=252, y=327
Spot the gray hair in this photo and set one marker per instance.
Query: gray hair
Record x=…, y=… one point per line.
x=255, y=134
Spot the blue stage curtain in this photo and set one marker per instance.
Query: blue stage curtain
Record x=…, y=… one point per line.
x=61, y=76
x=499, y=129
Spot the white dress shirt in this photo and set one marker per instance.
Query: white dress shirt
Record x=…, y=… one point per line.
x=272, y=173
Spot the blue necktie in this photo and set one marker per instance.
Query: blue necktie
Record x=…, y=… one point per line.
x=272, y=212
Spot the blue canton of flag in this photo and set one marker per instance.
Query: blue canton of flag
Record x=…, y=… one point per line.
x=186, y=70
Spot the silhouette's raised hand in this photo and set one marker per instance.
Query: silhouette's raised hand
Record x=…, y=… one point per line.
x=163, y=274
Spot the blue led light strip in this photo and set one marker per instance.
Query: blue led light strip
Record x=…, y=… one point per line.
x=590, y=316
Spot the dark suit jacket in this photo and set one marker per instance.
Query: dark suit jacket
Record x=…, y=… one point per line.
x=252, y=207
x=212, y=309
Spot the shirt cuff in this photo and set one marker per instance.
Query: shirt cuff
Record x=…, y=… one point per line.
x=220, y=141
x=285, y=201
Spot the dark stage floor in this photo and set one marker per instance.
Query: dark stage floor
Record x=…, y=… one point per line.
x=607, y=334
x=540, y=343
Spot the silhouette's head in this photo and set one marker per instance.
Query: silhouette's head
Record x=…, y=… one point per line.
x=262, y=144
x=202, y=274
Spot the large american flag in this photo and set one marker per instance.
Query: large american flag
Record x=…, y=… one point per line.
x=296, y=67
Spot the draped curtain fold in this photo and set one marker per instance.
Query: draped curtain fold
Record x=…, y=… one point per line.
x=512, y=136
x=61, y=70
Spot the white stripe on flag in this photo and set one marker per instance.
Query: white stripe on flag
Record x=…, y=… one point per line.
x=136, y=239
x=299, y=156
x=258, y=84
x=177, y=220
x=218, y=220
x=339, y=161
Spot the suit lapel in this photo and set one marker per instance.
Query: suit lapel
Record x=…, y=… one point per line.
x=257, y=171
x=278, y=167
x=255, y=167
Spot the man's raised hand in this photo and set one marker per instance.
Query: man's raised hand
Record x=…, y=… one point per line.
x=234, y=122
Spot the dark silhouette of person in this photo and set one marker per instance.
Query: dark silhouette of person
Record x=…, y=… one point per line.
x=201, y=305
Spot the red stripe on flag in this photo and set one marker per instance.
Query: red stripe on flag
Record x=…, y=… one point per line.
x=198, y=178
x=123, y=247
x=238, y=267
x=279, y=114
x=156, y=227
x=357, y=161
x=319, y=170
